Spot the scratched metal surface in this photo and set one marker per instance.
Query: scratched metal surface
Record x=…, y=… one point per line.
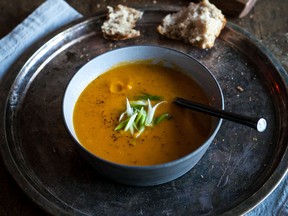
x=239, y=169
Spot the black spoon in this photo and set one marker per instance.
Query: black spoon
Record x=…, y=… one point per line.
x=259, y=124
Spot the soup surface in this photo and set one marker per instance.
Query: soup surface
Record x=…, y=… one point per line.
x=97, y=111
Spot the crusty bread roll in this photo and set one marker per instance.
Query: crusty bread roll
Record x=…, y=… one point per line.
x=198, y=24
x=120, y=23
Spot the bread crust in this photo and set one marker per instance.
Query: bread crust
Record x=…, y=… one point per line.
x=198, y=24
x=120, y=22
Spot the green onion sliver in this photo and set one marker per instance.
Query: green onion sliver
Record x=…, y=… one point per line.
x=158, y=119
x=139, y=115
x=146, y=96
x=122, y=124
x=130, y=122
x=151, y=112
x=138, y=103
x=129, y=109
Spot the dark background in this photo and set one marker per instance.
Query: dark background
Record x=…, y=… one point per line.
x=268, y=21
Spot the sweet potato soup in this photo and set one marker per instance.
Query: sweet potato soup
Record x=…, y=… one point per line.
x=114, y=130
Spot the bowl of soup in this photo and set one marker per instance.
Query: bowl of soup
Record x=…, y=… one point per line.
x=119, y=110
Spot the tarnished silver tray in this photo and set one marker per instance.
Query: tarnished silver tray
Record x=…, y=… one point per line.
x=238, y=171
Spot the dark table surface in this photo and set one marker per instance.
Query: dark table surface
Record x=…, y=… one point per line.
x=268, y=21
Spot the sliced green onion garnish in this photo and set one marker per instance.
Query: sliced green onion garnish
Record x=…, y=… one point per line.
x=146, y=96
x=143, y=119
x=122, y=124
x=140, y=114
x=140, y=131
x=122, y=115
x=159, y=119
x=131, y=129
x=137, y=118
x=138, y=102
x=151, y=112
x=129, y=109
x=130, y=122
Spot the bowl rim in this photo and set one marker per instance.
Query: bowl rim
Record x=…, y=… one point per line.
x=156, y=166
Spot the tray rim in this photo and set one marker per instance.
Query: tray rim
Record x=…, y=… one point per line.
x=32, y=192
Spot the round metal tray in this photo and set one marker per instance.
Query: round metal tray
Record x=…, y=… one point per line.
x=238, y=171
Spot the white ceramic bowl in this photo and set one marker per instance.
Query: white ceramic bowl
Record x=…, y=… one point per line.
x=143, y=175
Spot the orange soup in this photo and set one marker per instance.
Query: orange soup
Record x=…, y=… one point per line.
x=97, y=111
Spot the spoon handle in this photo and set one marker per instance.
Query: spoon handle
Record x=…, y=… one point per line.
x=259, y=124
